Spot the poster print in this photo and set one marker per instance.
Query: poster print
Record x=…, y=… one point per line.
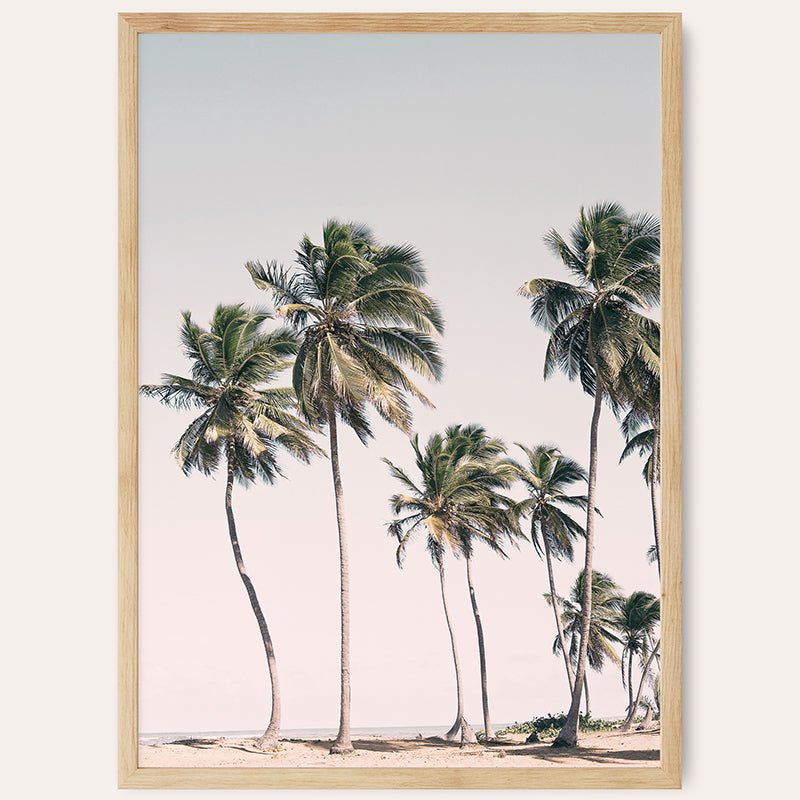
x=400, y=311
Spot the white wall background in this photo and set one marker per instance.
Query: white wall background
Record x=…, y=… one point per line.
x=58, y=258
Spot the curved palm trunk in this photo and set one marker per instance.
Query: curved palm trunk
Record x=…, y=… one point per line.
x=559, y=627
x=648, y=718
x=342, y=743
x=467, y=734
x=654, y=499
x=487, y=724
x=269, y=740
x=634, y=705
x=568, y=736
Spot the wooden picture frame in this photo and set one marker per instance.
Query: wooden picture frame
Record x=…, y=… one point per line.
x=668, y=774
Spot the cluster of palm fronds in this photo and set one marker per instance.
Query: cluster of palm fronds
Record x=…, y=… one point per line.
x=357, y=321
x=456, y=503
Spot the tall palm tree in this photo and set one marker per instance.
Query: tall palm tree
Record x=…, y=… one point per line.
x=547, y=476
x=602, y=632
x=361, y=316
x=244, y=423
x=636, y=619
x=494, y=472
x=641, y=426
x=454, y=503
x=594, y=329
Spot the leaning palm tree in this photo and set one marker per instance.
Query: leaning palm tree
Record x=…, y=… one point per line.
x=650, y=705
x=636, y=620
x=595, y=328
x=547, y=475
x=494, y=472
x=361, y=316
x=244, y=423
x=641, y=426
x=454, y=503
x=602, y=632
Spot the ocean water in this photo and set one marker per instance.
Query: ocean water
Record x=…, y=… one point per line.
x=396, y=732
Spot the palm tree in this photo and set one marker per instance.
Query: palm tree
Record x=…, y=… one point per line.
x=636, y=619
x=641, y=426
x=602, y=631
x=546, y=476
x=456, y=504
x=472, y=442
x=594, y=330
x=243, y=422
x=650, y=705
x=362, y=317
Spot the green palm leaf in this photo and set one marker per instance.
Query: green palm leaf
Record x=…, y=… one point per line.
x=231, y=363
x=360, y=315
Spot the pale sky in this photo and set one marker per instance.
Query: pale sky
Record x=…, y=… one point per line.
x=469, y=147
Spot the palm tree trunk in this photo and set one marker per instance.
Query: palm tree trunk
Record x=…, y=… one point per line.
x=467, y=734
x=553, y=596
x=586, y=692
x=269, y=740
x=487, y=724
x=630, y=684
x=342, y=743
x=654, y=497
x=634, y=705
x=568, y=736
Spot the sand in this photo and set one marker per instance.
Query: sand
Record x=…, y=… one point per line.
x=606, y=749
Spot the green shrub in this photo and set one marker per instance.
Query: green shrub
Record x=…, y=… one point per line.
x=549, y=726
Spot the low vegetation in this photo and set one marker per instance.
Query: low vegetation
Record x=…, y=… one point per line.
x=548, y=727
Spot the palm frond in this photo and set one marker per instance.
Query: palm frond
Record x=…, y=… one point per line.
x=180, y=393
x=408, y=347
x=552, y=301
x=231, y=364
x=594, y=328
x=286, y=288
x=347, y=378
x=363, y=318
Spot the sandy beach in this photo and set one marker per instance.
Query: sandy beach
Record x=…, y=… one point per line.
x=606, y=749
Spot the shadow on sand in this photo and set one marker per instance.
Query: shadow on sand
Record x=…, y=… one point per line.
x=499, y=748
x=388, y=745
x=600, y=755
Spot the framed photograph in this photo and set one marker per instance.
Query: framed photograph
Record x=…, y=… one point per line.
x=399, y=465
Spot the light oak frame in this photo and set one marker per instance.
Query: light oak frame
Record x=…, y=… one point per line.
x=668, y=774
